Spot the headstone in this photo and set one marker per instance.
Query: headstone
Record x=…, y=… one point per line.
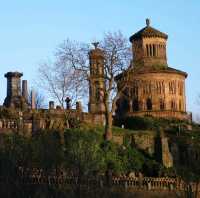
x=51, y=104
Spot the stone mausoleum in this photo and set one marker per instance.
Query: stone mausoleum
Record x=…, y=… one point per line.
x=152, y=87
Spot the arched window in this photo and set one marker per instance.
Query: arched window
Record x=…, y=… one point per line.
x=154, y=50
x=97, y=93
x=158, y=54
x=163, y=48
x=122, y=106
x=159, y=87
x=147, y=50
x=160, y=50
x=135, y=105
x=149, y=104
x=127, y=92
x=118, y=106
x=164, y=51
x=97, y=68
x=162, y=104
x=150, y=46
x=180, y=105
x=134, y=90
x=125, y=105
x=180, y=87
x=173, y=105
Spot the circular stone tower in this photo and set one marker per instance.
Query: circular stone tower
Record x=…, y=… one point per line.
x=151, y=86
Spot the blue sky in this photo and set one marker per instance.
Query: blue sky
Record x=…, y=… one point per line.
x=31, y=30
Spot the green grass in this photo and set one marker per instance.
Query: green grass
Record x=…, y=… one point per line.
x=116, y=130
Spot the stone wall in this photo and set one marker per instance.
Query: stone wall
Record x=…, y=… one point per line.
x=145, y=141
x=151, y=143
x=32, y=120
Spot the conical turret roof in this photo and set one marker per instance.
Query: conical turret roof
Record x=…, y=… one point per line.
x=148, y=31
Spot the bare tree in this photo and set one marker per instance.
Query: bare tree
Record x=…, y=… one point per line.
x=60, y=81
x=39, y=98
x=117, y=60
x=117, y=54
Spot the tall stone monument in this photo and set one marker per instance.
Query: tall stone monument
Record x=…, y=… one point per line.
x=14, y=98
x=25, y=90
x=96, y=81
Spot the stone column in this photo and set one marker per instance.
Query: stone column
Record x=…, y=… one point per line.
x=33, y=104
x=13, y=83
x=25, y=89
x=14, y=97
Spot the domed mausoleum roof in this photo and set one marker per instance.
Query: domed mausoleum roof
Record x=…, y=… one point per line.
x=148, y=31
x=150, y=70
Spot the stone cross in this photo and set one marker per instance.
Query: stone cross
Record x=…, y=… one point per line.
x=68, y=103
x=148, y=22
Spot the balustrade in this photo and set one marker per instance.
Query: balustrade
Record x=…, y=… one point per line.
x=36, y=177
x=8, y=124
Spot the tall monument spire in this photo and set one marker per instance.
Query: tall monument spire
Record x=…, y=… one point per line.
x=14, y=96
x=97, y=86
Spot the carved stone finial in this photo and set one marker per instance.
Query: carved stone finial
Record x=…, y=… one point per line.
x=148, y=22
x=95, y=44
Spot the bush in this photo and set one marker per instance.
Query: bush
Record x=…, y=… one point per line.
x=151, y=123
x=133, y=160
x=151, y=168
x=139, y=123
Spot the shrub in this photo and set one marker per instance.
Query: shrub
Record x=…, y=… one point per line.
x=139, y=123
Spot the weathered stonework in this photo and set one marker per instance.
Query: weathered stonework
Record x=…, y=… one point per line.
x=96, y=81
x=144, y=141
x=14, y=98
x=152, y=88
x=151, y=143
x=162, y=151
